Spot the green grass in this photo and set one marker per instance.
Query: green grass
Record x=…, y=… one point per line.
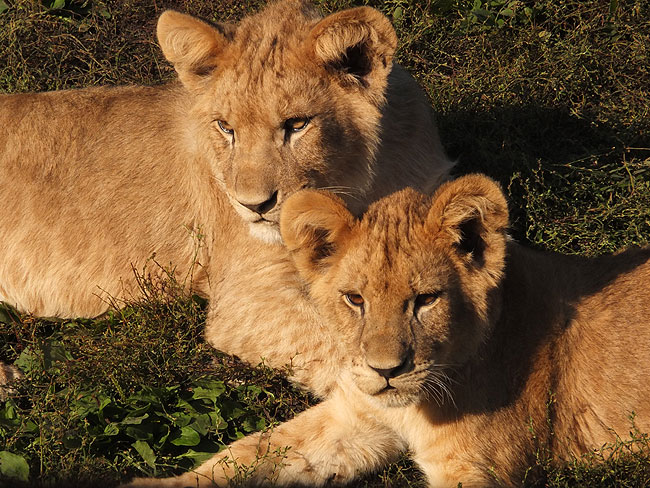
x=550, y=98
x=102, y=395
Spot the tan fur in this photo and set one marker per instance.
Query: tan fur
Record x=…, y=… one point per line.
x=98, y=180
x=471, y=351
x=8, y=375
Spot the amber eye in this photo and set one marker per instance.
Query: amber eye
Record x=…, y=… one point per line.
x=296, y=124
x=354, y=300
x=426, y=299
x=225, y=127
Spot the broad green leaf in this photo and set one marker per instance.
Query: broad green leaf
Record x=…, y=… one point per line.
x=146, y=452
x=210, y=389
x=140, y=432
x=196, y=456
x=111, y=429
x=31, y=427
x=138, y=411
x=57, y=4
x=232, y=410
x=13, y=466
x=210, y=394
x=3, y=7
x=163, y=438
x=8, y=411
x=134, y=420
x=181, y=420
x=28, y=361
x=105, y=401
x=218, y=421
x=202, y=424
x=481, y=14
x=187, y=437
x=253, y=425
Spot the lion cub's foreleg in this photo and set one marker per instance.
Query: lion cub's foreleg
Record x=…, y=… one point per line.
x=332, y=442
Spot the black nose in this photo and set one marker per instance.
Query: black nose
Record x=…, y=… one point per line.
x=263, y=207
x=404, y=367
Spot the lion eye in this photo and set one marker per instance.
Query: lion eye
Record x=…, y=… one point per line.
x=296, y=124
x=426, y=299
x=225, y=127
x=354, y=300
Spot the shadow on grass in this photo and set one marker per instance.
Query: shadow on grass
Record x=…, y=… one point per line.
x=575, y=185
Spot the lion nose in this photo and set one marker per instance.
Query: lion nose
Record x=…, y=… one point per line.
x=404, y=365
x=262, y=207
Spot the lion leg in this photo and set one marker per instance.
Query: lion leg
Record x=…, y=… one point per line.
x=333, y=442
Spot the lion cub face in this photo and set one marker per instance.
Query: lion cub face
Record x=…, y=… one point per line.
x=412, y=286
x=286, y=100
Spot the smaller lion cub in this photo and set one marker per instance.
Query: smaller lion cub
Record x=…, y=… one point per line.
x=474, y=353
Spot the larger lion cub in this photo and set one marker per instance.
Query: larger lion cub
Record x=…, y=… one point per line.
x=94, y=181
x=469, y=350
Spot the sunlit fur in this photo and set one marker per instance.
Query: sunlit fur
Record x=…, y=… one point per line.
x=98, y=180
x=522, y=353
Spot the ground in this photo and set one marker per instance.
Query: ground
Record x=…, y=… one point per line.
x=552, y=99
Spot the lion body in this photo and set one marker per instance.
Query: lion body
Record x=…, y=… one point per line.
x=476, y=354
x=89, y=192
x=98, y=181
x=562, y=373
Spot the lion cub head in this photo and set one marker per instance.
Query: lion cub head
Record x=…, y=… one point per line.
x=284, y=100
x=412, y=285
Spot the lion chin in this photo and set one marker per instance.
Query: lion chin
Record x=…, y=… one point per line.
x=268, y=232
x=391, y=397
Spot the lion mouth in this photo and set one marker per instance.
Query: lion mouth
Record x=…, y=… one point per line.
x=264, y=221
x=399, y=391
x=392, y=396
x=265, y=230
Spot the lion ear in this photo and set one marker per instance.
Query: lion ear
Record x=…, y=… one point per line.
x=472, y=211
x=314, y=227
x=356, y=45
x=190, y=44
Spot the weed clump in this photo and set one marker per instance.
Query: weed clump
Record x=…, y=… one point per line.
x=622, y=463
x=136, y=391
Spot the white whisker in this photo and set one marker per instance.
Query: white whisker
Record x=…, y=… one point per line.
x=437, y=386
x=343, y=190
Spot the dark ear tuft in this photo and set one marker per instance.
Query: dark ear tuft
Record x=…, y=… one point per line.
x=473, y=213
x=356, y=46
x=470, y=239
x=314, y=226
x=354, y=62
x=191, y=45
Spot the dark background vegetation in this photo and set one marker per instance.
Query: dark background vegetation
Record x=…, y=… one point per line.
x=550, y=98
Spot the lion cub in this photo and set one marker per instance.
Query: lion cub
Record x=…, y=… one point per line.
x=96, y=180
x=469, y=350
x=197, y=170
